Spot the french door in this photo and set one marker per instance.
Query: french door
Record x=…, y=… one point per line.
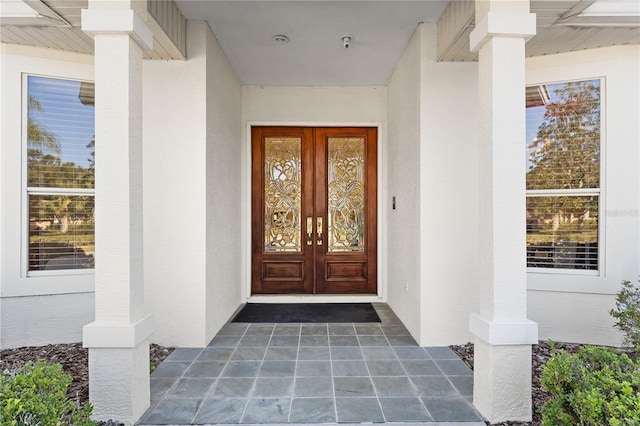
x=314, y=207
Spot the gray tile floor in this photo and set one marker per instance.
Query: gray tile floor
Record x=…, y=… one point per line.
x=312, y=373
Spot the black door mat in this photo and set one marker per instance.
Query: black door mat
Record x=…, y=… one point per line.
x=307, y=312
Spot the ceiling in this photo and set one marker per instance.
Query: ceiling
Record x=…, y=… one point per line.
x=314, y=54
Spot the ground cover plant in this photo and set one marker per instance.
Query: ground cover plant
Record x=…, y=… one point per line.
x=60, y=373
x=35, y=394
x=597, y=386
x=627, y=313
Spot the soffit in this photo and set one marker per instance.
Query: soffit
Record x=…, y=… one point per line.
x=65, y=33
x=560, y=27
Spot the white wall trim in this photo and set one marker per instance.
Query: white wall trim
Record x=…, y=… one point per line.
x=100, y=334
x=496, y=333
x=381, y=291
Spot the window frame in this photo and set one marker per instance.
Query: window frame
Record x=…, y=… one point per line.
x=599, y=192
x=27, y=191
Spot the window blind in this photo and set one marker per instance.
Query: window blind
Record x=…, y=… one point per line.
x=60, y=178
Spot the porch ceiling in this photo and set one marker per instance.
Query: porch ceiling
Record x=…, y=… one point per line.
x=314, y=54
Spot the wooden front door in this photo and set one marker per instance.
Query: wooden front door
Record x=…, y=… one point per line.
x=314, y=208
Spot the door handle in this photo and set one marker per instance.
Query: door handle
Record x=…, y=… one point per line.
x=319, y=230
x=309, y=230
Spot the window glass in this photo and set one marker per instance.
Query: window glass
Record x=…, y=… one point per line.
x=60, y=161
x=563, y=174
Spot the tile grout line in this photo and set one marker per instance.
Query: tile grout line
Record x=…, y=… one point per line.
x=166, y=394
x=333, y=382
x=213, y=386
x=255, y=381
x=384, y=418
x=295, y=373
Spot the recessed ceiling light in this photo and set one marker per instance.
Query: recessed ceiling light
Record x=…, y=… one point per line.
x=280, y=39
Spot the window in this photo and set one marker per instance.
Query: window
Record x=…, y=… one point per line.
x=59, y=178
x=563, y=175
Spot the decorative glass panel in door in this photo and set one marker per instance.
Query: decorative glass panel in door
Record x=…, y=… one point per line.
x=282, y=192
x=346, y=183
x=313, y=210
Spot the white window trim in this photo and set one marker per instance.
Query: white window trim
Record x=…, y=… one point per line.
x=17, y=61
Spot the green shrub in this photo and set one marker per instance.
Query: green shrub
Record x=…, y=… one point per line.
x=627, y=313
x=35, y=395
x=596, y=386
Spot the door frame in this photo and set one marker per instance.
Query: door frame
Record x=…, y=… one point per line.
x=246, y=234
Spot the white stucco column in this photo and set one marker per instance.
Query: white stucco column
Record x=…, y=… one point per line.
x=118, y=339
x=502, y=362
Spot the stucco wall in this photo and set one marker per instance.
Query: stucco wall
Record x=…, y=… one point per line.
x=25, y=317
x=403, y=160
x=433, y=237
x=575, y=307
x=175, y=193
x=192, y=197
x=309, y=106
x=41, y=320
x=224, y=186
x=449, y=195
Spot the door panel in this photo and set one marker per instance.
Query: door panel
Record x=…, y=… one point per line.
x=282, y=198
x=346, y=195
x=314, y=210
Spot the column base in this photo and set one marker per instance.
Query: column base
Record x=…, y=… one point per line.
x=119, y=383
x=502, y=381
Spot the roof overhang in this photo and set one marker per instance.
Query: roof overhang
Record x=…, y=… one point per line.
x=33, y=13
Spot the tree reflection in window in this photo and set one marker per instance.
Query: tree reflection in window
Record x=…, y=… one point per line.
x=563, y=174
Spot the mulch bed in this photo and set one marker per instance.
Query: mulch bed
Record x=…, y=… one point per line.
x=74, y=360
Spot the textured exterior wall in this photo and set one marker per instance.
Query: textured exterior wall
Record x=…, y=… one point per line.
x=41, y=320
x=403, y=162
x=574, y=317
x=449, y=195
x=175, y=194
x=433, y=237
x=224, y=186
x=192, y=192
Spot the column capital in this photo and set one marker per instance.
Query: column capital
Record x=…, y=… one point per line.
x=97, y=22
x=524, y=332
x=502, y=24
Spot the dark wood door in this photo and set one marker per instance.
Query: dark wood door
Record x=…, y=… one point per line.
x=314, y=206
